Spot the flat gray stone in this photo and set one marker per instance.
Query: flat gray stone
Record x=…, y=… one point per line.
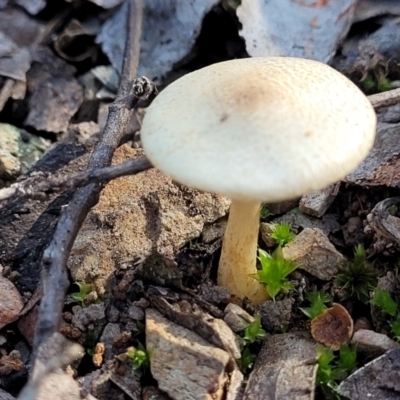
x=237, y=318
x=312, y=251
x=185, y=366
x=377, y=380
x=285, y=369
x=317, y=203
x=111, y=331
x=83, y=316
x=276, y=315
x=373, y=343
x=11, y=302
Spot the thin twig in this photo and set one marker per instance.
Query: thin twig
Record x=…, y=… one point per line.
x=41, y=185
x=54, y=263
x=385, y=99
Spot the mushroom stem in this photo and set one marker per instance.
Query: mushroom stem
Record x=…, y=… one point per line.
x=237, y=264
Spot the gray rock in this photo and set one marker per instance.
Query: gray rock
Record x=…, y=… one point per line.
x=276, y=315
x=266, y=229
x=384, y=221
x=113, y=314
x=107, y=3
x=377, y=380
x=136, y=216
x=15, y=61
x=237, y=319
x=370, y=8
x=11, y=302
x=99, y=384
x=108, y=76
x=312, y=251
x=32, y=6
x=285, y=369
x=373, y=343
x=353, y=232
x=214, y=294
x=214, y=231
x=380, y=165
x=111, y=331
x=235, y=386
x=83, y=316
x=185, y=366
x=317, y=203
x=136, y=313
x=192, y=317
x=6, y=396
x=328, y=223
x=142, y=303
x=129, y=383
x=283, y=206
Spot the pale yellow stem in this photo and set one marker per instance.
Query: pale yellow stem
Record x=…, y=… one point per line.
x=239, y=252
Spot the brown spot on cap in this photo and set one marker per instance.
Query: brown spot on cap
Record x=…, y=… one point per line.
x=309, y=133
x=224, y=117
x=333, y=328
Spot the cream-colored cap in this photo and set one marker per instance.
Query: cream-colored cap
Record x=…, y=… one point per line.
x=266, y=129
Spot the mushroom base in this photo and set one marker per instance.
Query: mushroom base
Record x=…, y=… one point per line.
x=237, y=265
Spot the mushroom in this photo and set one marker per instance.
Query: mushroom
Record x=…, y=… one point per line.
x=257, y=130
x=333, y=328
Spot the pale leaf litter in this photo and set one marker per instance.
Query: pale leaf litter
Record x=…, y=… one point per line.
x=170, y=29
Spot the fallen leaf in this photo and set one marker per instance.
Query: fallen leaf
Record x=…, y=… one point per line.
x=288, y=27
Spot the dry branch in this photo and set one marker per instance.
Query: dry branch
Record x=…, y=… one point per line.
x=385, y=99
x=40, y=185
x=54, y=263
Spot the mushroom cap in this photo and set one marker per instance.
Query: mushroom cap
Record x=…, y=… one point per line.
x=333, y=328
x=267, y=129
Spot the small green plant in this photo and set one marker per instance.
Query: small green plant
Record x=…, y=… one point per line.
x=282, y=234
x=395, y=326
x=254, y=331
x=274, y=270
x=333, y=368
x=91, y=339
x=247, y=359
x=393, y=210
x=385, y=302
x=265, y=213
x=357, y=278
x=251, y=333
x=140, y=357
x=376, y=83
x=317, y=300
x=84, y=290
